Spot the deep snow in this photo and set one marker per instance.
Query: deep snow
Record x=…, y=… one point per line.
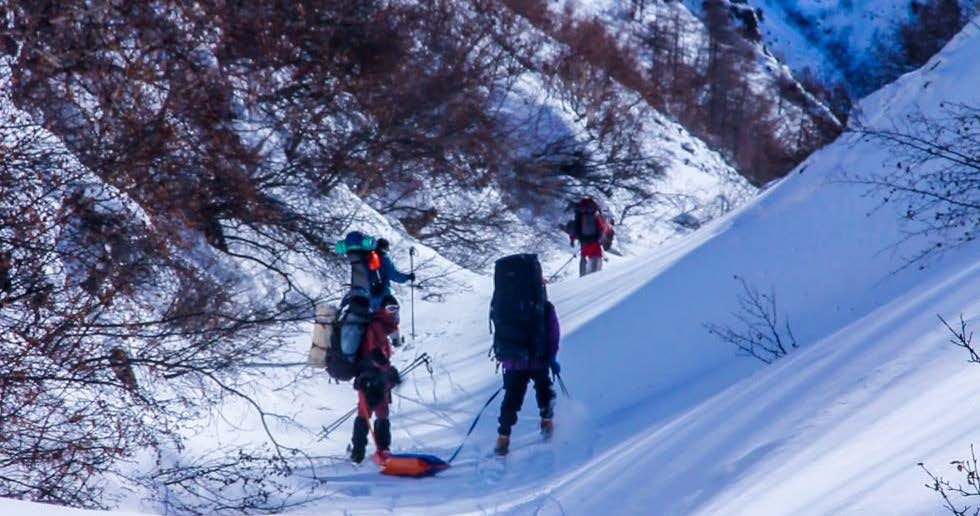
x=663, y=418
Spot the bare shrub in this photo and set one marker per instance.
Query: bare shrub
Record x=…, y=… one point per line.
x=962, y=338
x=935, y=175
x=761, y=333
x=968, y=487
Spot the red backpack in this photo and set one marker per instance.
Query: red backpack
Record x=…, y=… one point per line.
x=586, y=226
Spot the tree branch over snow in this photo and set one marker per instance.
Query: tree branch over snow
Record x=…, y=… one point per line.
x=761, y=333
x=934, y=176
x=962, y=338
x=950, y=491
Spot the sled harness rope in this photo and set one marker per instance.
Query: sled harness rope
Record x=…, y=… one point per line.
x=473, y=426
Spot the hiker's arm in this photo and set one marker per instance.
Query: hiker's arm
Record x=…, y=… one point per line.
x=393, y=273
x=567, y=228
x=554, y=331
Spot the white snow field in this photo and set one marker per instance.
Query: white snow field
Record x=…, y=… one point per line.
x=664, y=418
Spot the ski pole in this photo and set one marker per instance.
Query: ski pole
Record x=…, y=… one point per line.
x=561, y=383
x=555, y=275
x=414, y=364
x=327, y=430
x=411, y=263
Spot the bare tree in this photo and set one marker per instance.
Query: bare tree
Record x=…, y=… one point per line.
x=935, y=176
x=951, y=491
x=761, y=333
x=115, y=333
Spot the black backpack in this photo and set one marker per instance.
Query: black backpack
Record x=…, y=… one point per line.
x=517, y=309
x=355, y=316
x=586, y=224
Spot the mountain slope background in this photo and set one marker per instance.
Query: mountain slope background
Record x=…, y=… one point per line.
x=851, y=47
x=170, y=201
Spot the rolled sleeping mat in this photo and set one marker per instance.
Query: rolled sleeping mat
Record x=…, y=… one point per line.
x=326, y=315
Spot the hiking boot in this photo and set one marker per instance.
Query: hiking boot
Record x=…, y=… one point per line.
x=357, y=455
x=547, y=428
x=381, y=456
x=503, y=445
x=359, y=440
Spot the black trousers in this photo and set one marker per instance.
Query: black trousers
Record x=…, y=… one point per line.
x=382, y=433
x=515, y=387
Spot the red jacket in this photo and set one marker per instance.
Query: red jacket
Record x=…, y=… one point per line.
x=592, y=249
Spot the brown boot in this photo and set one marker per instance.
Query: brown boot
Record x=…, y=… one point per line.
x=547, y=428
x=503, y=445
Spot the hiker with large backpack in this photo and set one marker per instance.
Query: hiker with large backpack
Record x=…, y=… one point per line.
x=525, y=342
x=356, y=308
x=376, y=376
x=594, y=233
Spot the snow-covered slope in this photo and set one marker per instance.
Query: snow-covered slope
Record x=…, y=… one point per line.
x=838, y=427
x=10, y=507
x=662, y=418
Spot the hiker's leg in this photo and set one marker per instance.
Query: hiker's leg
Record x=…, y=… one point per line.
x=358, y=440
x=544, y=392
x=381, y=410
x=594, y=264
x=515, y=386
x=583, y=263
x=382, y=433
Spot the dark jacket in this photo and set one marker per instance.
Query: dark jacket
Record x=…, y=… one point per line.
x=553, y=332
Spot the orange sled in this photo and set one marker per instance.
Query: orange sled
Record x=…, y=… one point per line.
x=412, y=465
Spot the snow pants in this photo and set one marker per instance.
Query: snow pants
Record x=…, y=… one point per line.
x=589, y=264
x=515, y=387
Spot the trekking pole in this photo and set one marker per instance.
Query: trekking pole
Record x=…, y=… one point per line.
x=418, y=361
x=414, y=364
x=327, y=430
x=561, y=383
x=554, y=276
x=411, y=263
x=475, y=421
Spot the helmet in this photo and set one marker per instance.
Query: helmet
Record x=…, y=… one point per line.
x=383, y=245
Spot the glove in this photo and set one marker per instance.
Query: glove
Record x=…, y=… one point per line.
x=410, y=276
x=392, y=377
x=555, y=367
x=571, y=243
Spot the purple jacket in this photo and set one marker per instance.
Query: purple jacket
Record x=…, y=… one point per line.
x=554, y=336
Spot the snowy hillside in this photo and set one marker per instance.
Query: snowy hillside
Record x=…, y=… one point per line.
x=853, y=43
x=826, y=430
x=661, y=417
x=664, y=417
